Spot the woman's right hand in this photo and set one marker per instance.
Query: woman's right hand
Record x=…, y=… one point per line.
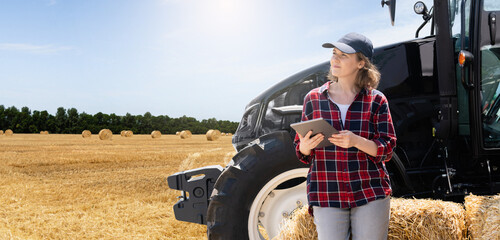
x=307, y=143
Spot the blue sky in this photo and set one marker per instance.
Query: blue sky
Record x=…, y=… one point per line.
x=199, y=58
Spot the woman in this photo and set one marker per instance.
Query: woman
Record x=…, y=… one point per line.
x=348, y=185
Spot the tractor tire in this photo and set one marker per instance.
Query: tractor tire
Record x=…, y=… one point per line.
x=262, y=185
x=400, y=181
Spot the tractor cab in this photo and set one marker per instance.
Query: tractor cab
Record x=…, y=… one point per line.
x=476, y=51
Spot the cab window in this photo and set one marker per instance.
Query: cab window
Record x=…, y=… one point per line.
x=491, y=5
x=462, y=96
x=285, y=107
x=490, y=95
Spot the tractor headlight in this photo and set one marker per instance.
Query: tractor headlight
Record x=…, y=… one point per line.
x=420, y=8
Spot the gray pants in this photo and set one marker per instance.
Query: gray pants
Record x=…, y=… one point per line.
x=370, y=221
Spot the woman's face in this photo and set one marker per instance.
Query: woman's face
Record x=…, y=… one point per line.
x=344, y=65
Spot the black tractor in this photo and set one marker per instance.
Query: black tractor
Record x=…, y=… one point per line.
x=444, y=96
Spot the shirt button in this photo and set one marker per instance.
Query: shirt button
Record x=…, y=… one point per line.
x=345, y=169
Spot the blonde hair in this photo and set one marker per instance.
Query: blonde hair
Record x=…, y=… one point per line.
x=368, y=77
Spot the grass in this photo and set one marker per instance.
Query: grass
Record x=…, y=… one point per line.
x=68, y=187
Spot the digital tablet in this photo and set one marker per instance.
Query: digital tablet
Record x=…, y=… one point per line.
x=318, y=125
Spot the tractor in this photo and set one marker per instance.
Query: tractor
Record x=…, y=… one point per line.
x=444, y=96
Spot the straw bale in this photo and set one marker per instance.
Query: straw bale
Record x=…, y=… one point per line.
x=482, y=216
x=426, y=219
x=8, y=132
x=122, y=133
x=177, y=133
x=155, y=134
x=44, y=132
x=213, y=135
x=129, y=133
x=185, y=134
x=86, y=134
x=410, y=219
x=1, y=132
x=299, y=226
x=105, y=134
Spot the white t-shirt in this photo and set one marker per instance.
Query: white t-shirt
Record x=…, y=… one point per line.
x=343, y=110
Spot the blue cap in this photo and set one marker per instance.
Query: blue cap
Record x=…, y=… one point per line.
x=353, y=43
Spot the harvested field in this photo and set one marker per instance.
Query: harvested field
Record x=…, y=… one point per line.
x=67, y=187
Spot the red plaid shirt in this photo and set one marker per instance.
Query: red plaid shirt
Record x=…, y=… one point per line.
x=347, y=178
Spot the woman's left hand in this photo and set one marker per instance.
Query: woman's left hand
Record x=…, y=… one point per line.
x=344, y=139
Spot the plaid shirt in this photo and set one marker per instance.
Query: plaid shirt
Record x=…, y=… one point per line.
x=347, y=178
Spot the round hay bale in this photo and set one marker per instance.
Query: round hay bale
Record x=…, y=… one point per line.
x=185, y=134
x=1, y=132
x=155, y=134
x=9, y=132
x=122, y=133
x=230, y=134
x=177, y=133
x=86, y=134
x=213, y=135
x=44, y=132
x=105, y=134
x=129, y=133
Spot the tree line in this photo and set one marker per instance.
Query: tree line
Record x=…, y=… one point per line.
x=71, y=122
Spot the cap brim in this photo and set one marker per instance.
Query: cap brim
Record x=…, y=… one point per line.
x=340, y=46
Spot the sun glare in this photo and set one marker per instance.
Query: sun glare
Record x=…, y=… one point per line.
x=223, y=16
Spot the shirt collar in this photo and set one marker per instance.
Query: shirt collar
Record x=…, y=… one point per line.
x=325, y=87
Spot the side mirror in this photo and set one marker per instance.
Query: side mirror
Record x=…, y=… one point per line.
x=392, y=8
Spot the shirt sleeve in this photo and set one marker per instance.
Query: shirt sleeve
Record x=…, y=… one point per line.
x=385, y=136
x=307, y=111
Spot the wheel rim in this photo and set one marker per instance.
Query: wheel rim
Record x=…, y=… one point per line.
x=272, y=205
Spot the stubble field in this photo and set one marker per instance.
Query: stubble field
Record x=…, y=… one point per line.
x=68, y=187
